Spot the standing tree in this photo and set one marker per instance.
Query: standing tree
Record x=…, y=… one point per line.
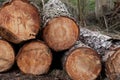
x=82, y=10
x=102, y=6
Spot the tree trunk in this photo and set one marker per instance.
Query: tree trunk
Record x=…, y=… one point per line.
x=82, y=10
x=102, y=6
x=34, y=58
x=7, y=56
x=82, y=63
x=113, y=65
x=20, y=21
x=60, y=33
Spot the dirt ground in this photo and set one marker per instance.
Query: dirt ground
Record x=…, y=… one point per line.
x=17, y=75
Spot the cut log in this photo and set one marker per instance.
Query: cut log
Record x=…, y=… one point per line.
x=20, y=20
x=82, y=63
x=7, y=56
x=113, y=65
x=60, y=30
x=34, y=58
x=60, y=33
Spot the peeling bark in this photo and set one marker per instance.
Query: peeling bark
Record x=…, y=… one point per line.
x=102, y=43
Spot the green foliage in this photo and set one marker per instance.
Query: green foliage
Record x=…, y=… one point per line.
x=74, y=2
x=91, y=5
x=2, y=0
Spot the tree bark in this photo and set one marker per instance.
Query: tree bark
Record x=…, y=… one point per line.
x=34, y=58
x=52, y=9
x=61, y=33
x=7, y=56
x=82, y=63
x=98, y=41
x=20, y=20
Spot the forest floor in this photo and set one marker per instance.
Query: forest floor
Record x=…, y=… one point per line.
x=17, y=75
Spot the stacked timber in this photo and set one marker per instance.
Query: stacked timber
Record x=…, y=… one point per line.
x=20, y=22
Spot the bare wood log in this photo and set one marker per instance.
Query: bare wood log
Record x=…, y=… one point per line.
x=82, y=63
x=34, y=58
x=60, y=33
x=113, y=65
x=7, y=56
x=20, y=19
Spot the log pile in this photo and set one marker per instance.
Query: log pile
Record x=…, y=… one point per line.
x=83, y=50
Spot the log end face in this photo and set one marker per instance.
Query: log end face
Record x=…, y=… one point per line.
x=20, y=18
x=35, y=59
x=7, y=56
x=113, y=66
x=61, y=33
x=83, y=64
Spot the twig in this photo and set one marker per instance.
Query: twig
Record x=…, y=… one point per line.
x=43, y=3
x=113, y=26
x=117, y=32
x=106, y=24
